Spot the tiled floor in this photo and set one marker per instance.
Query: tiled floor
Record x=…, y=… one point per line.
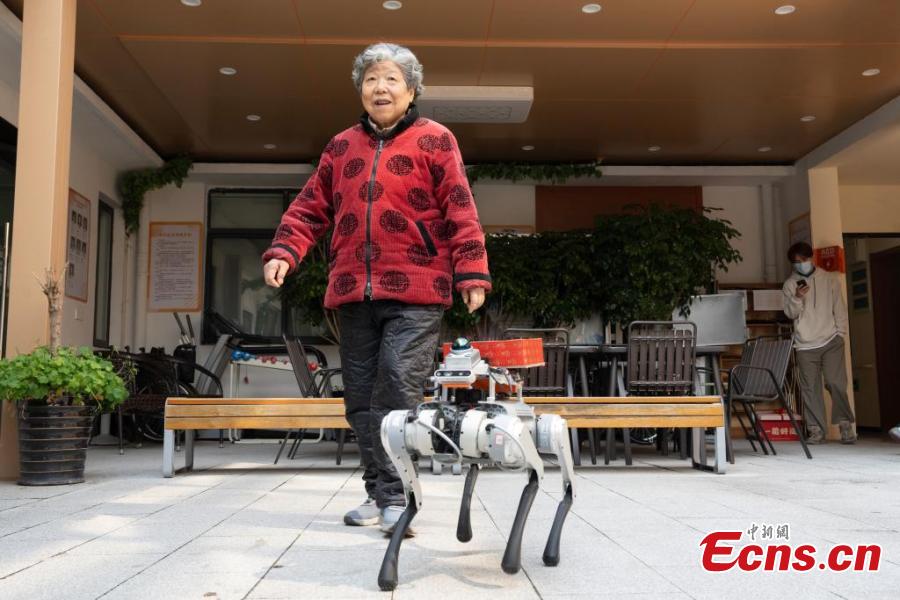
x=243, y=528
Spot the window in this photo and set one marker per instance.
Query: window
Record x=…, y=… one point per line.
x=103, y=281
x=241, y=226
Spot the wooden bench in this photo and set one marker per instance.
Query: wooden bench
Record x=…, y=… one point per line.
x=191, y=414
x=696, y=412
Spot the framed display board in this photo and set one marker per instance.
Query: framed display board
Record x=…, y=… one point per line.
x=799, y=230
x=78, y=246
x=174, y=270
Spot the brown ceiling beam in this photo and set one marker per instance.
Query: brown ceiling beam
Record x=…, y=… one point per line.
x=501, y=43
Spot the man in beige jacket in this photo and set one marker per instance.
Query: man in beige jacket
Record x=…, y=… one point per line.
x=813, y=299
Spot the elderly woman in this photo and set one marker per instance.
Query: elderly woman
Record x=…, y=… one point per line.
x=406, y=233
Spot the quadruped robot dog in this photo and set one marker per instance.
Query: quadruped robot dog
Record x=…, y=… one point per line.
x=457, y=427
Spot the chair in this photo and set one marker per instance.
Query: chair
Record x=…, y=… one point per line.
x=312, y=384
x=759, y=377
x=661, y=361
x=551, y=379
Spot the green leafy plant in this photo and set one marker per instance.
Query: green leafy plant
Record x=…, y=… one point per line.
x=552, y=172
x=134, y=185
x=64, y=377
x=651, y=261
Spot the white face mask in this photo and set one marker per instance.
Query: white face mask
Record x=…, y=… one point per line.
x=804, y=268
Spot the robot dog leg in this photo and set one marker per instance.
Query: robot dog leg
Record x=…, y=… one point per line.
x=551, y=438
x=393, y=438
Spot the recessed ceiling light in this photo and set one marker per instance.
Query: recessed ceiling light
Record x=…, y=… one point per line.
x=785, y=10
x=871, y=72
x=808, y=118
x=269, y=146
x=228, y=71
x=654, y=148
x=392, y=5
x=528, y=148
x=192, y=3
x=764, y=149
x=591, y=9
x=253, y=117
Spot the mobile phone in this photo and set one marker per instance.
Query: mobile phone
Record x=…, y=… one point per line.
x=801, y=283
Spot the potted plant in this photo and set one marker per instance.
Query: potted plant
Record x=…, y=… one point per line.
x=59, y=391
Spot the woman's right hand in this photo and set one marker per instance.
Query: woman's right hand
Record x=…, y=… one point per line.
x=274, y=272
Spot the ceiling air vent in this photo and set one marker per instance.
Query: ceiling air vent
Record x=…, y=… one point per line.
x=476, y=104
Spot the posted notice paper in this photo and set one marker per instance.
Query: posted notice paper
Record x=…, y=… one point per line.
x=174, y=269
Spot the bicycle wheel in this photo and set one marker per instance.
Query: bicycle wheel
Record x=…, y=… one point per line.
x=643, y=436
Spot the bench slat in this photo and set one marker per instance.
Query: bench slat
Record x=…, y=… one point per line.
x=650, y=422
x=621, y=399
x=245, y=410
x=254, y=401
x=606, y=410
x=256, y=423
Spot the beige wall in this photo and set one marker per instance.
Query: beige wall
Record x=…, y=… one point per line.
x=740, y=205
x=89, y=175
x=504, y=204
x=870, y=208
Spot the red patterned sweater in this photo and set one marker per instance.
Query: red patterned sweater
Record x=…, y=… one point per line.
x=405, y=228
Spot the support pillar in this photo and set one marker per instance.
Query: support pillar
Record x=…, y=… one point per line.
x=42, y=185
x=769, y=231
x=827, y=230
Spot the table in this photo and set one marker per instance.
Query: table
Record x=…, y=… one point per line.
x=235, y=367
x=616, y=385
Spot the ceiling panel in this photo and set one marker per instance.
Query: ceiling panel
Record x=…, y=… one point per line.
x=819, y=21
x=774, y=73
x=569, y=73
x=620, y=20
x=710, y=81
x=262, y=69
x=419, y=19
x=212, y=18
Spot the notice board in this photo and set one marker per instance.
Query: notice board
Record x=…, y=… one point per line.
x=174, y=270
x=78, y=246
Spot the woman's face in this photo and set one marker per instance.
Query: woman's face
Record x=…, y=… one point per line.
x=385, y=95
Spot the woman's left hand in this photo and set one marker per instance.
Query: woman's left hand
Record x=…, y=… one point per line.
x=473, y=298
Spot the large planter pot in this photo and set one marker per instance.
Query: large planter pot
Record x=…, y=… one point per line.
x=53, y=443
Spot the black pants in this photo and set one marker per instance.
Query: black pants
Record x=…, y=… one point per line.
x=387, y=352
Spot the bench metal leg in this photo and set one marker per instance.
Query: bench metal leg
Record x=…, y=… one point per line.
x=168, y=467
x=189, y=450
x=721, y=461
x=592, y=446
x=626, y=440
x=576, y=446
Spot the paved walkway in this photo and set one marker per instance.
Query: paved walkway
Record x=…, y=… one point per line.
x=242, y=528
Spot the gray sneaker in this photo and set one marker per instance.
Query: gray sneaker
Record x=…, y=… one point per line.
x=389, y=517
x=847, y=435
x=366, y=513
x=816, y=435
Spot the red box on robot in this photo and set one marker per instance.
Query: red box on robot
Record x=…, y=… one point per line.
x=778, y=426
x=511, y=354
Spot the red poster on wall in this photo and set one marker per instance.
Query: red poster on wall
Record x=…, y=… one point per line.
x=831, y=258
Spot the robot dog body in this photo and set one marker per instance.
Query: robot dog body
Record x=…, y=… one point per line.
x=454, y=431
